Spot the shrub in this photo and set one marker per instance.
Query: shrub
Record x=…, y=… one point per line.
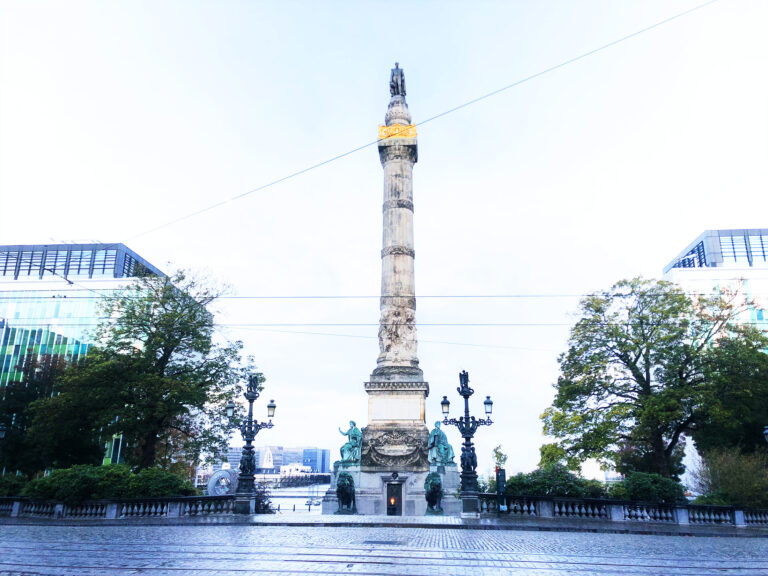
x=78, y=483
x=154, y=482
x=12, y=485
x=734, y=478
x=618, y=491
x=518, y=485
x=716, y=499
x=653, y=488
x=594, y=489
x=554, y=480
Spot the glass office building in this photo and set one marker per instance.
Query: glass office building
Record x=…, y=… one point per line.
x=727, y=259
x=50, y=295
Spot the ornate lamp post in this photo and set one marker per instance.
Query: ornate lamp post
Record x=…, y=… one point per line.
x=249, y=429
x=467, y=425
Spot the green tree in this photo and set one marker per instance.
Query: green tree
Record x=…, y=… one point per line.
x=737, y=408
x=40, y=376
x=499, y=458
x=732, y=477
x=638, y=373
x=157, y=376
x=553, y=454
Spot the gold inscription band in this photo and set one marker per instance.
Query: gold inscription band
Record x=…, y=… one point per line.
x=397, y=131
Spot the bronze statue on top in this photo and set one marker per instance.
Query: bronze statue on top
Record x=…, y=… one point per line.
x=397, y=81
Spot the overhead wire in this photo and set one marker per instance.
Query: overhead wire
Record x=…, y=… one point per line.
x=427, y=120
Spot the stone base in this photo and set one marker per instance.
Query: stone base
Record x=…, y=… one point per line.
x=244, y=505
x=371, y=490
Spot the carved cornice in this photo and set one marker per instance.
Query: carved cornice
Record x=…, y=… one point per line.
x=397, y=386
x=399, y=203
x=398, y=251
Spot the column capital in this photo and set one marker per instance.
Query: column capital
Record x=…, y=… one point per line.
x=398, y=149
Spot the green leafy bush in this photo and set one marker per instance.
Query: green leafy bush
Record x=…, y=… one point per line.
x=617, y=491
x=554, y=480
x=154, y=482
x=653, y=488
x=594, y=489
x=12, y=485
x=78, y=483
x=716, y=499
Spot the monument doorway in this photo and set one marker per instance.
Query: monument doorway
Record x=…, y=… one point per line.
x=395, y=499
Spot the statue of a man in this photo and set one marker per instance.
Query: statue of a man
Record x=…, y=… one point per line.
x=350, y=451
x=397, y=81
x=440, y=451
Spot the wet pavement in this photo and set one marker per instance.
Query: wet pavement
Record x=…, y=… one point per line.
x=230, y=549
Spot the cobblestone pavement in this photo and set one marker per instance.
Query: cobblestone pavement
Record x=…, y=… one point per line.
x=287, y=550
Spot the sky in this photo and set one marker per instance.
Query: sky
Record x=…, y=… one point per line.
x=119, y=118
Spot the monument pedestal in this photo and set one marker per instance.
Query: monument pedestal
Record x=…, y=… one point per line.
x=374, y=489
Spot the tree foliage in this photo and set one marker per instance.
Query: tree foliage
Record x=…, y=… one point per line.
x=156, y=375
x=76, y=440
x=553, y=481
x=640, y=373
x=499, y=458
x=737, y=410
x=734, y=478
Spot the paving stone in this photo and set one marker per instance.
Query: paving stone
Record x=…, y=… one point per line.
x=231, y=549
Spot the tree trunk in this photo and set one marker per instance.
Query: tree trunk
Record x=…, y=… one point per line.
x=149, y=450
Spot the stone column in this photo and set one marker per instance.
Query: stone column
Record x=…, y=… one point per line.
x=398, y=152
x=396, y=435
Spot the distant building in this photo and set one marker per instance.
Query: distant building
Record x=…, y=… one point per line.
x=726, y=259
x=294, y=469
x=49, y=302
x=318, y=459
x=271, y=459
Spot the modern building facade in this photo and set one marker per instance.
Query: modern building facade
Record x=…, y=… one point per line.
x=734, y=259
x=50, y=295
x=49, y=303
x=318, y=460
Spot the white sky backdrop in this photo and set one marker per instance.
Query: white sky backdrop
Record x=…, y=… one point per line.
x=117, y=117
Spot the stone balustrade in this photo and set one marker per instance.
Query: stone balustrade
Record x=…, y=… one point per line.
x=620, y=511
x=179, y=507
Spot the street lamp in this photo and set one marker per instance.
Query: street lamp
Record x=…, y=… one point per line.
x=249, y=429
x=467, y=425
